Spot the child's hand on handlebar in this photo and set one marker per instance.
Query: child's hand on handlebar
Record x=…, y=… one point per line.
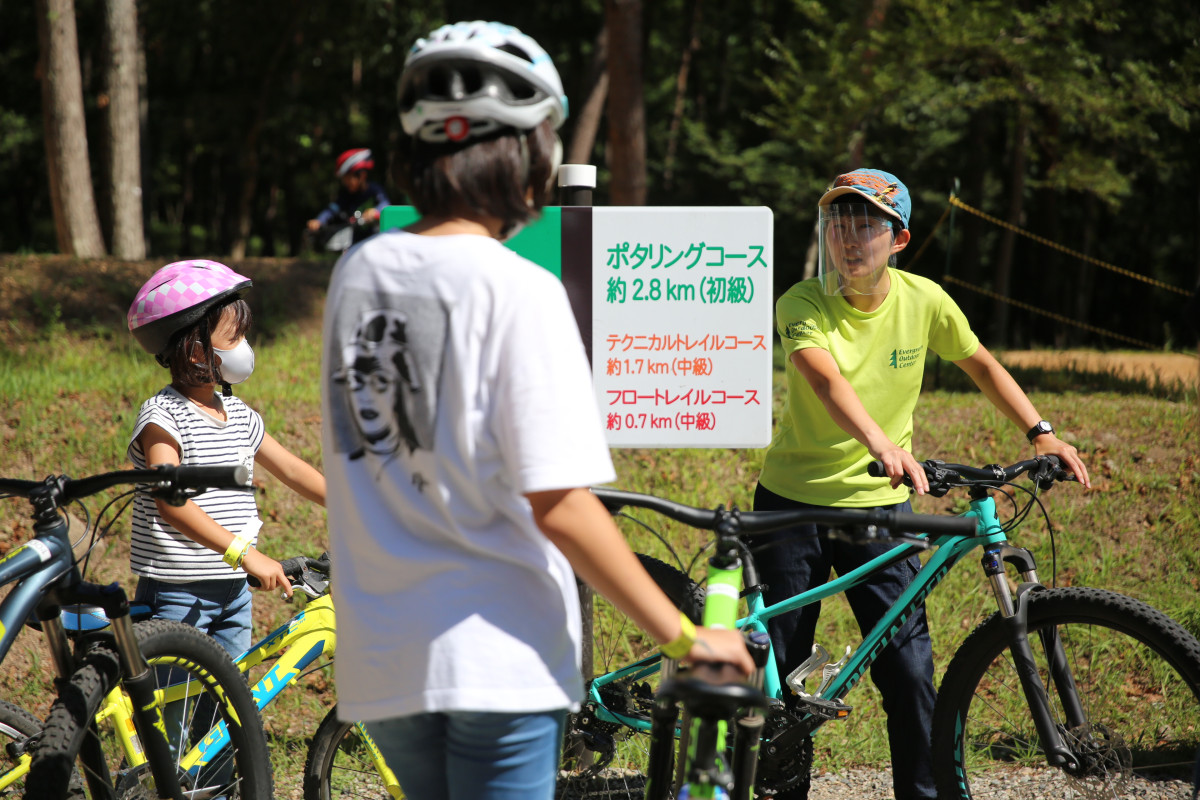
x=720, y=647
x=267, y=571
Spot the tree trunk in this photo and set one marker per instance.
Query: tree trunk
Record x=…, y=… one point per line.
x=123, y=131
x=857, y=140
x=587, y=121
x=1016, y=200
x=1085, y=271
x=681, y=81
x=249, y=165
x=626, y=109
x=76, y=222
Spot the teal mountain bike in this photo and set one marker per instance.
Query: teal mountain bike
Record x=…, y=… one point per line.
x=1061, y=692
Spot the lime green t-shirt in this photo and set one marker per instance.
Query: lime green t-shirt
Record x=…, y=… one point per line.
x=882, y=354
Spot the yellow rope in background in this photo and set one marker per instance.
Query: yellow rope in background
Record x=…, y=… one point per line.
x=1050, y=314
x=1042, y=240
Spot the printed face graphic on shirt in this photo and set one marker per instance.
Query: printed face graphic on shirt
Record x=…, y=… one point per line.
x=386, y=379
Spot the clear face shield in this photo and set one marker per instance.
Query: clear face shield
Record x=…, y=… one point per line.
x=856, y=248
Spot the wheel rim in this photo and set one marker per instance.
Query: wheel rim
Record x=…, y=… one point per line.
x=1142, y=730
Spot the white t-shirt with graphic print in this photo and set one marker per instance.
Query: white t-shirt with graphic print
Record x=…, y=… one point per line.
x=454, y=380
x=159, y=551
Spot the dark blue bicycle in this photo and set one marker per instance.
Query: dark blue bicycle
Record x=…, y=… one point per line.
x=138, y=667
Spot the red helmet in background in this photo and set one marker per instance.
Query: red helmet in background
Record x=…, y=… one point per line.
x=353, y=161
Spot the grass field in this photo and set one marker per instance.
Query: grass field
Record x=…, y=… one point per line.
x=71, y=381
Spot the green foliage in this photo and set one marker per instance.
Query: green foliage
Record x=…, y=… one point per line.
x=70, y=401
x=1099, y=97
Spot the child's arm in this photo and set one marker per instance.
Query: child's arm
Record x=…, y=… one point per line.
x=192, y=521
x=843, y=404
x=580, y=527
x=999, y=386
x=296, y=473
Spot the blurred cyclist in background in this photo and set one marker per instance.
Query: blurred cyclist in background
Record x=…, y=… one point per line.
x=358, y=200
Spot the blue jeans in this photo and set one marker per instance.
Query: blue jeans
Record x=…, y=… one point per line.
x=473, y=755
x=904, y=669
x=219, y=608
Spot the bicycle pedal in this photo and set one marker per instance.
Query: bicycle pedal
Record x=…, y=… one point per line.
x=816, y=661
x=823, y=709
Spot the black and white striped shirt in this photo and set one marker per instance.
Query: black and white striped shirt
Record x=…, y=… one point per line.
x=159, y=551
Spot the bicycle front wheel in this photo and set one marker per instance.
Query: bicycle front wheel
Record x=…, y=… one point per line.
x=604, y=760
x=197, y=687
x=343, y=764
x=1134, y=730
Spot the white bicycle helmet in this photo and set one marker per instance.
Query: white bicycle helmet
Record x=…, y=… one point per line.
x=469, y=79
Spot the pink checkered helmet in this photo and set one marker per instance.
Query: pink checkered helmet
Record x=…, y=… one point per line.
x=177, y=297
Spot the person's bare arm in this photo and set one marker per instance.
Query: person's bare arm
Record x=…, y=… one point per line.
x=296, y=473
x=580, y=527
x=845, y=407
x=999, y=386
x=192, y=521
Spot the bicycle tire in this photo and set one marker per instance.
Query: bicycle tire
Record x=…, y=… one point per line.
x=339, y=766
x=1138, y=674
x=72, y=716
x=622, y=752
x=16, y=727
x=176, y=653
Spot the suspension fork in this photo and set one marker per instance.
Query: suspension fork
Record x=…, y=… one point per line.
x=1015, y=615
x=140, y=683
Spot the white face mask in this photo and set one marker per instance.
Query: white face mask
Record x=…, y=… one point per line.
x=236, y=364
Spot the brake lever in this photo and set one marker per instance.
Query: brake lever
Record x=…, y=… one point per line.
x=1050, y=470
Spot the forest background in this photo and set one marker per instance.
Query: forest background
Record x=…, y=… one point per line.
x=1073, y=120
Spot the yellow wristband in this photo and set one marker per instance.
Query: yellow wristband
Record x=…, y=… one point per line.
x=681, y=645
x=237, y=551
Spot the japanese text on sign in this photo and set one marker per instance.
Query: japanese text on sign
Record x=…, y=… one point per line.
x=681, y=330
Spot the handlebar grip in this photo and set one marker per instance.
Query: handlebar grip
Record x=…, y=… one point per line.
x=876, y=469
x=294, y=567
x=935, y=524
x=226, y=476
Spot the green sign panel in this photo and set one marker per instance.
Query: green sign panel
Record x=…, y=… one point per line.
x=540, y=241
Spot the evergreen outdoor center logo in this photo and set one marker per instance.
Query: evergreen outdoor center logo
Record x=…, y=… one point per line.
x=902, y=357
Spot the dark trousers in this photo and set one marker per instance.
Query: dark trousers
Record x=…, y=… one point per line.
x=802, y=559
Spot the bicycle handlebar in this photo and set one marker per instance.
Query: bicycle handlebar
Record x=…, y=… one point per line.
x=943, y=477
x=164, y=479
x=752, y=522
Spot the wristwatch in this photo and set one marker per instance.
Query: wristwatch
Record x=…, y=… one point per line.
x=1038, y=430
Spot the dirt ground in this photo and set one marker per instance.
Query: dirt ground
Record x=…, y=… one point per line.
x=1165, y=368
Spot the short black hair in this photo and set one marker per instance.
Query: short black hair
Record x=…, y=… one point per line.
x=487, y=177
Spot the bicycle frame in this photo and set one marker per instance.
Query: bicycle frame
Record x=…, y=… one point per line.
x=298, y=643
x=947, y=552
x=47, y=578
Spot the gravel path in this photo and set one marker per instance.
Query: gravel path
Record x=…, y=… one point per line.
x=875, y=784
x=865, y=783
